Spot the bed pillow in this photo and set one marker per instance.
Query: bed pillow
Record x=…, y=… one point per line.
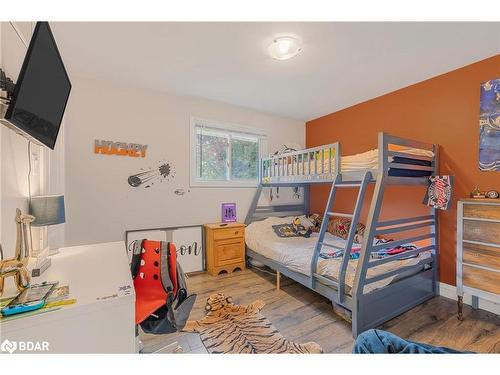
x=340, y=226
x=313, y=221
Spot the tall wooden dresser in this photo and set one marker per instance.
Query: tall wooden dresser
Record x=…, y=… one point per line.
x=478, y=250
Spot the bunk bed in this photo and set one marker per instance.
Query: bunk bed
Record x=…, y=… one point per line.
x=370, y=291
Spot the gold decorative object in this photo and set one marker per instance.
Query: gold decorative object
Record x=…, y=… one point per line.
x=17, y=266
x=477, y=193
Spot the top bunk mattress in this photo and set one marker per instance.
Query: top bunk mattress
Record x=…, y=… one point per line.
x=295, y=253
x=369, y=160
x=318, y=164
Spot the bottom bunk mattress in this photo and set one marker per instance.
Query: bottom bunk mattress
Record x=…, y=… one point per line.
x=295, y=253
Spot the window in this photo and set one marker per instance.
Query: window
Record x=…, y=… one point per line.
x=224, y=154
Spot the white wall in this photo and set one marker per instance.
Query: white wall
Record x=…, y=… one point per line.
x=100, y=205
x=14, y=155
x=1, y=183
x=47, y=175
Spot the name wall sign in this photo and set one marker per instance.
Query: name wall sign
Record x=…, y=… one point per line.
x=133, y=150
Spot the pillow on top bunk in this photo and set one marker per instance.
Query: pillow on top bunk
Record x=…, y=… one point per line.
x=340, y=226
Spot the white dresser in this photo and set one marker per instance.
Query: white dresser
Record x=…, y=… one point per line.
x=103, y=318
x=478, y=251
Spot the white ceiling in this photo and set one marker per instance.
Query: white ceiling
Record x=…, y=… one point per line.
x=341, y=63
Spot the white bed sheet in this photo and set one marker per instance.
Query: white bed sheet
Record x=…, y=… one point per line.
x=296, y=252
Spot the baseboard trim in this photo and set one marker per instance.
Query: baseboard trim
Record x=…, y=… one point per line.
x=450, y=291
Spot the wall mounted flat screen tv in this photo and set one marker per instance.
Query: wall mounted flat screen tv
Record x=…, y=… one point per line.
x=42, y=90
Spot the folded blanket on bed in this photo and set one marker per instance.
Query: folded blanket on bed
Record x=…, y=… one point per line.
x=301, y=226
x=338, y=253
x=393, y=251
x=369, y=159
x=383, y=253
x=291, y=230
x=355, y=251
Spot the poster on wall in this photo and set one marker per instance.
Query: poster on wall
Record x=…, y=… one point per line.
x=188, y=241
x=489, y=126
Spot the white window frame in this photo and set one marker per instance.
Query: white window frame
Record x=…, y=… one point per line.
x=229, y=127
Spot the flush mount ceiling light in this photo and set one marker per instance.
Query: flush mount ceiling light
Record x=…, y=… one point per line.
x=284, y=48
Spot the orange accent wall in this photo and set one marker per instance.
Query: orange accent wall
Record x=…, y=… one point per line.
x=443, y=110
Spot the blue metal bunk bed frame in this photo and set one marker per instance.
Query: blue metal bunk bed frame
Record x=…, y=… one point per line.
x=322, y=165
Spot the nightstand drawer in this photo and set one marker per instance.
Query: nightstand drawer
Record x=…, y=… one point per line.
x=482, y=211
x=481, y=279
x=482, y=231
x=229, y=251
x=221, y=234
x=482, y=255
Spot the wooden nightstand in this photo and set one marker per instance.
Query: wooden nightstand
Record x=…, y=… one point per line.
x=225, y=247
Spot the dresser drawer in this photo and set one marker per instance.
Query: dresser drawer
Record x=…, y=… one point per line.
x=229, y=251
x=482, y=231
x=482, y=211
x=221, y=234
x=482, y=255
x=482, y=279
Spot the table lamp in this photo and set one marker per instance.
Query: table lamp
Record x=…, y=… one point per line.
x=47, y=210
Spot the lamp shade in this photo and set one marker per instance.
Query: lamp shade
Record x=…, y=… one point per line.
x=47, y=210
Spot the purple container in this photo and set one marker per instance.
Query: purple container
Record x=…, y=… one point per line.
x=228, y=212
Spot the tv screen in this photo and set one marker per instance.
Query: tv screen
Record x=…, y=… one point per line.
x=42, y=89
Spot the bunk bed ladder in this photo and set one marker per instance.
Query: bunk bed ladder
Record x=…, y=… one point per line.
x=337, y=183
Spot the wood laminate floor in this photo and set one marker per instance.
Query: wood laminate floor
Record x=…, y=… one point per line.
x=302, y=315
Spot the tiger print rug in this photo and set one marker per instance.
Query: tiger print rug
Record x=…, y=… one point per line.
x=230, y=328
